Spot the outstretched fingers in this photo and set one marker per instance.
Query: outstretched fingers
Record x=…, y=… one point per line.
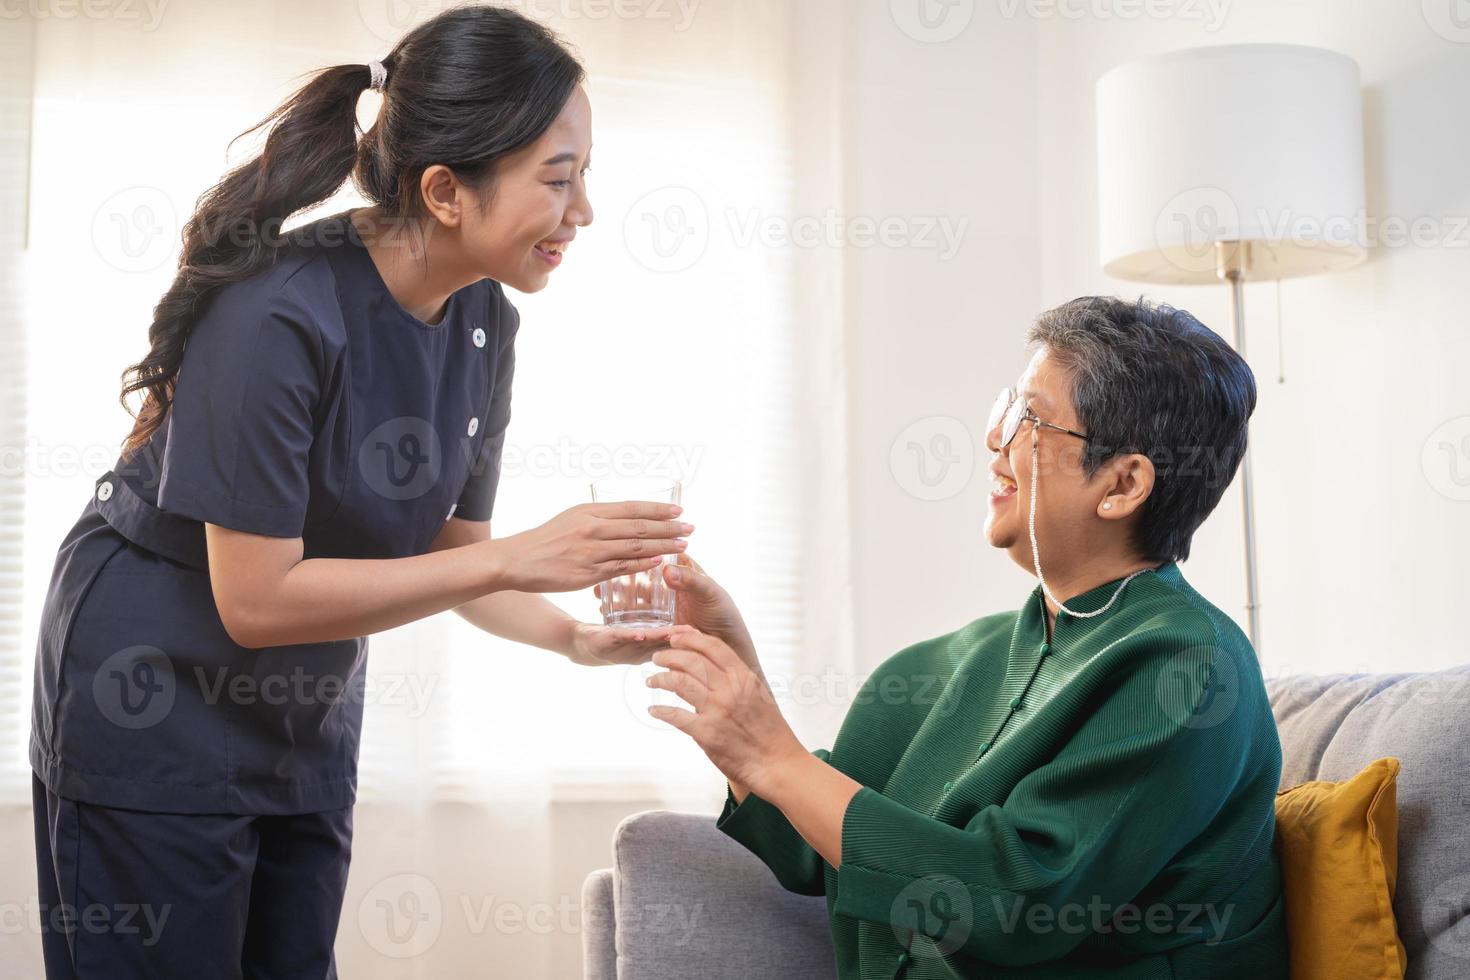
x=716, y=650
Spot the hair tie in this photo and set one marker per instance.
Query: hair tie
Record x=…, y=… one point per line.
x=379, y=75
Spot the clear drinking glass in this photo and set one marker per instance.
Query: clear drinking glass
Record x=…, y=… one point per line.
x=642, y=600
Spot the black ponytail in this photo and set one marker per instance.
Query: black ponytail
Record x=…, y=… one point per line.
x=463, y=89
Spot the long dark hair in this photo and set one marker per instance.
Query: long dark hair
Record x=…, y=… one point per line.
x=463, y=89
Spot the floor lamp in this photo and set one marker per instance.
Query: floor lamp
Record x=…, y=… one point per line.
x=1231, y=163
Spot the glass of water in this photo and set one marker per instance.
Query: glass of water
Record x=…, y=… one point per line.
x=641, y=600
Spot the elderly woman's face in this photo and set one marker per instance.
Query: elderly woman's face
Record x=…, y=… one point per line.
x=1067, y=507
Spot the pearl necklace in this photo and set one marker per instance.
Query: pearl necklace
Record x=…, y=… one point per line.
x=1046, y=646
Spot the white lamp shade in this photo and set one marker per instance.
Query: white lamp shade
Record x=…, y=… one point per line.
x=1258, y=143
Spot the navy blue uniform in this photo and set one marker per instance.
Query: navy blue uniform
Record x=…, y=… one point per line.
x=309, y=404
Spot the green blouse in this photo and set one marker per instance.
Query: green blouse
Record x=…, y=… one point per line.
x=1100, y=806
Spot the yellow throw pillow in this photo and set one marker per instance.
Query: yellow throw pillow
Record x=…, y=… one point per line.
x=1338, y=844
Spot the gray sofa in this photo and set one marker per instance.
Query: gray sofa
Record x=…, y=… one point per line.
x=684, y=901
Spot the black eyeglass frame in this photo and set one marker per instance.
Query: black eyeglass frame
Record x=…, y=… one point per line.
x=1012, y=409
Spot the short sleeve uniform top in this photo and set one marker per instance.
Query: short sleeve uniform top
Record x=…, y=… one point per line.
x=308, y=404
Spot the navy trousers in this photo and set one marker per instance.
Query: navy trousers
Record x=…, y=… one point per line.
x=128, y=894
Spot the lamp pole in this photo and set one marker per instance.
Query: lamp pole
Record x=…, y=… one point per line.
x=1232, y=262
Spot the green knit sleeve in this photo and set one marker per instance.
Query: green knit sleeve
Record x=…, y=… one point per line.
x=1150, y=767
x=764, y=831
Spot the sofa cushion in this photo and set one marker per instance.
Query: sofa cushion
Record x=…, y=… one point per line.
x=1333, y=726
x=1339, y=854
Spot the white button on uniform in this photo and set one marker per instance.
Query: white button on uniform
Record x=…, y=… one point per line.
x=479, y=336
x=104, y=490
x=474, y=426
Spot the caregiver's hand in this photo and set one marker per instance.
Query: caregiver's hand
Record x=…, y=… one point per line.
x=598, y=646
x=588, y=543
x=735, y=719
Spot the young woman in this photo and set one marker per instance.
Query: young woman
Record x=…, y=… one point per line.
x=315, y=460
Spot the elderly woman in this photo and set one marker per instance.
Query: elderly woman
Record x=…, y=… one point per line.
x=1079, y=788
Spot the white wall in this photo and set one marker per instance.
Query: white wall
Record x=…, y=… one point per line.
x=1362, y=557
x=944, y=129
x=1361, y=545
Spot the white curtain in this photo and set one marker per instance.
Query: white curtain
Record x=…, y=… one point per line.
x=16, y=47
x=683, y=335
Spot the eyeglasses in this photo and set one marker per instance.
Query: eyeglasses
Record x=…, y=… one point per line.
x=1009, y=410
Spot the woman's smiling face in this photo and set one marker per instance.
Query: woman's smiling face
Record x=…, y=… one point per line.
x=537, y=202
x=1067, y=506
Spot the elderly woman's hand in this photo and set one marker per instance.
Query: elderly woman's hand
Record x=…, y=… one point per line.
x=705, y=605
x=735, y=719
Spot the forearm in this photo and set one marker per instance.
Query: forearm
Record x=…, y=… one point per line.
x=813, y=795
x=522, y=617
x=323, y=599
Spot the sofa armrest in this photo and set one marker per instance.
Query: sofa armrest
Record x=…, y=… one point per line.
x=599, y=955
x=690, y=902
